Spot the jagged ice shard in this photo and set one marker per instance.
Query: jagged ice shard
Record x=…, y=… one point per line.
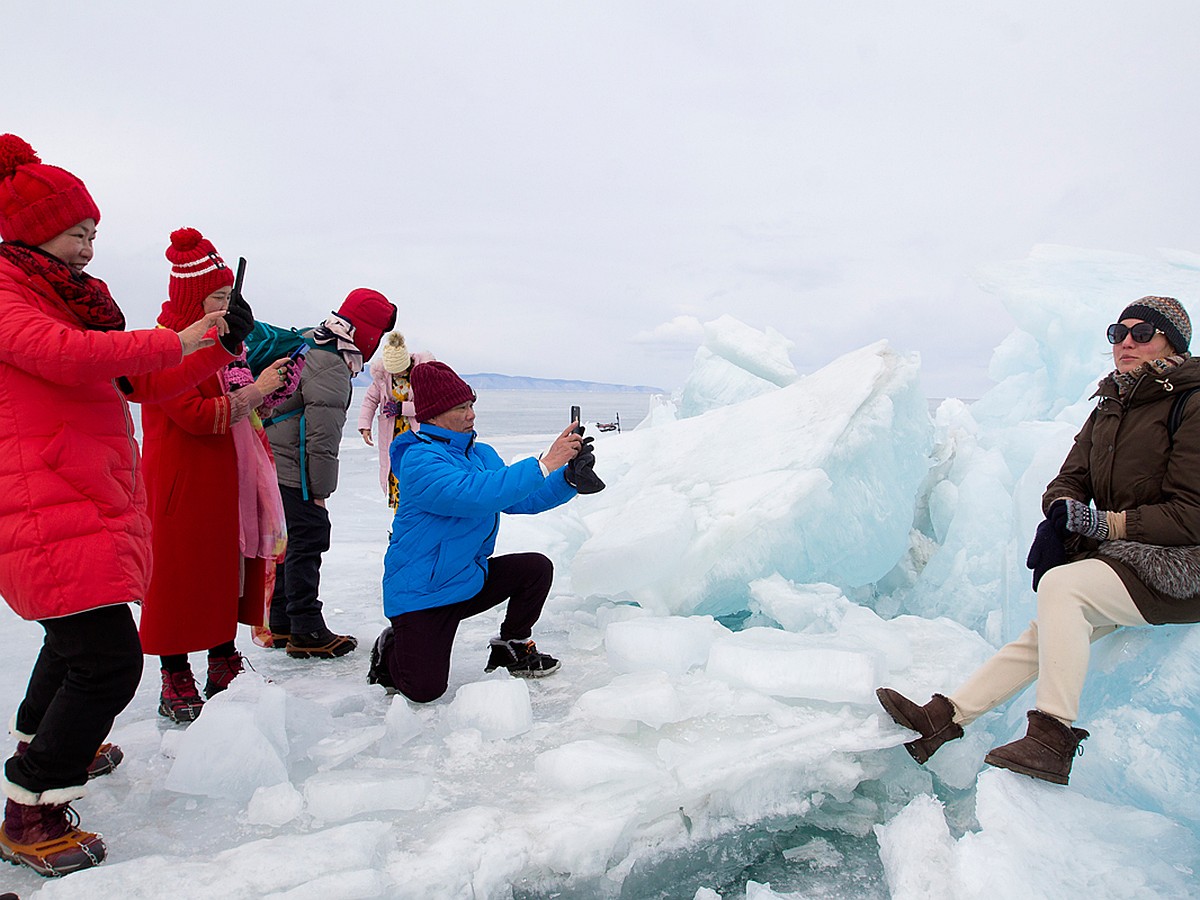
x=815, y=481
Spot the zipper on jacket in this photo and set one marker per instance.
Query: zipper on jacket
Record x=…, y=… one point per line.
x=133, y=449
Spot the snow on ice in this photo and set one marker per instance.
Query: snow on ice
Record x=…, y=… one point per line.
x=771, y=547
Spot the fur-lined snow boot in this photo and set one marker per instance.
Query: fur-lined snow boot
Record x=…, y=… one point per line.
x=1046, y=751
x=46, y=839
x=934, y=721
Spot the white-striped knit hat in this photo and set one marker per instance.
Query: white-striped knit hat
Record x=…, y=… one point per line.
x=196, y=271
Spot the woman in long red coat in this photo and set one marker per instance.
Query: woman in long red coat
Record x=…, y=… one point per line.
x=196, y=484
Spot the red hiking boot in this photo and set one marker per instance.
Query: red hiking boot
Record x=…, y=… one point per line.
x=180, y=701
x=108, y=757
x=221, y=671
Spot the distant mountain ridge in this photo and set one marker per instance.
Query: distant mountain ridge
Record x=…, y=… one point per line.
x=491, y=381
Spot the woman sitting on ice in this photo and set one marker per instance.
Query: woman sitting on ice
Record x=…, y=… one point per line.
x=390, y=395
x=1120, y=545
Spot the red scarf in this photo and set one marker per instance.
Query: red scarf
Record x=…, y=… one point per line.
x=86, y=297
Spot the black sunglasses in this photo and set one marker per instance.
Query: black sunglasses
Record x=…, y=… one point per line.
x=1143, y=332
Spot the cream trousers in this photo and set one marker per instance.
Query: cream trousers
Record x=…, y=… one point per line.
x=1077, y=603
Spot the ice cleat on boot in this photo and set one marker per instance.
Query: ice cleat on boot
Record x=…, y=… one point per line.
x=1046, y=752
x=107, y=758
x=320, y=644
x=521, y=658
x=934, y=721
x=377, y=671
x=272, y=640
x=47, y=839
x=179, y=701
x=221, y=671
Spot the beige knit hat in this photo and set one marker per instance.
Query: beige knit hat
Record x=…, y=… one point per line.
x=395, y=354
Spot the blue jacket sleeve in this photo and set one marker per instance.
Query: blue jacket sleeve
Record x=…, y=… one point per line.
x=434, y=482
x=554, y=492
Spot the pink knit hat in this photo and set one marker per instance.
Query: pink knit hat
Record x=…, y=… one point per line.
x=38, y=202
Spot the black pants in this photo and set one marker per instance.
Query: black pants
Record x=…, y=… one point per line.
x=420, y=659
x=295, y=605
x=87, y=672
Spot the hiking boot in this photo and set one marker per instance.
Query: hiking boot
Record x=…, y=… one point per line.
x=377, y=671
x=934, y=721
x=521, y=658
x=180, y=701
x=1046, y=752
x=46, y=839
x=321, y=644
x=107, y=758
x=273, y=640
x=221, y=671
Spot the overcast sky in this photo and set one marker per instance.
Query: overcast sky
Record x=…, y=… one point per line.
x=565, y=189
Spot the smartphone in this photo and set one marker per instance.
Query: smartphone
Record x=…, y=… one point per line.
x=241, y=275
x=577, y=418
x=299, y=351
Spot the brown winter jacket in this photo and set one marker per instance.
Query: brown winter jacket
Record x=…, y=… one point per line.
x=1124, y=461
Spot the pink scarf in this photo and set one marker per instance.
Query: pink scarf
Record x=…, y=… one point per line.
x=263, y=532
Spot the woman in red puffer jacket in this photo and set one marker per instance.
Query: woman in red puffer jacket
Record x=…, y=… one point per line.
x=74, y=534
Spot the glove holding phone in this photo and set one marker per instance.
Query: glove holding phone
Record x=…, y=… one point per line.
x=579, y=472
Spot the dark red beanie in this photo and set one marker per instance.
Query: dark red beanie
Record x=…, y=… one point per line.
x=196, y=271
x=436, y=388
x=371, y=314
x=38, y=202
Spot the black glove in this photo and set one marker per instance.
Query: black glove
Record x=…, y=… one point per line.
x=579, y=472
x=240, y=319
x=1048, y=549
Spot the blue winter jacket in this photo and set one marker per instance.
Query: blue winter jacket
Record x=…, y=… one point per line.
x=452, y=491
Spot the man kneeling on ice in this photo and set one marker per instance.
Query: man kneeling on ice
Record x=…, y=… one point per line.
x=439, y=569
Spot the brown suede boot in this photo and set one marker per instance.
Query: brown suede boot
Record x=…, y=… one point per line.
x=934, y=721
x=1046, y=751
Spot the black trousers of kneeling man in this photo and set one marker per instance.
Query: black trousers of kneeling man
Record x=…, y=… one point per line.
x=420, y=659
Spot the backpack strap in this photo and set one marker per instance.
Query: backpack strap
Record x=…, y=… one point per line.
x=292, y=413
x=1175, y=416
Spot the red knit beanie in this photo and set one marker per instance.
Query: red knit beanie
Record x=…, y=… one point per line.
x=196, y=271
x=371, y=314
x=436, y=388
x=38, y=202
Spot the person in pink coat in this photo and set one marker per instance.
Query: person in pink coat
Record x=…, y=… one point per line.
x=390, y=400
x=74, y=533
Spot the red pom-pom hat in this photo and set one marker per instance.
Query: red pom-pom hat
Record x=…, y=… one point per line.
x=38, y=202
x=196, y=271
